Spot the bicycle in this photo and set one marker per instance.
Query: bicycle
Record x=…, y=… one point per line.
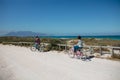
x=40, y=48
x=79, y=54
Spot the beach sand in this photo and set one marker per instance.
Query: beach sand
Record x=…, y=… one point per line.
x=20, y=63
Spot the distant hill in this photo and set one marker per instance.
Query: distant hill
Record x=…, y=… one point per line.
x=25, y=33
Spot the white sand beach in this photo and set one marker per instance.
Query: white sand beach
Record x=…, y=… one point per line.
x=20, y=63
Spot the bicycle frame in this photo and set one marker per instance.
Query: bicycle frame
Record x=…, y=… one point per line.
x=78, y=54
x=39, y=47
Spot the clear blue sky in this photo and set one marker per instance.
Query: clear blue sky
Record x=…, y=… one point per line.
x=60, y=16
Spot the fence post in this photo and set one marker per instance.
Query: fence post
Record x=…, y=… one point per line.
x=65, y=47
x=112, y=53
x=59, y=46
x=91, y=50
x=101, y=50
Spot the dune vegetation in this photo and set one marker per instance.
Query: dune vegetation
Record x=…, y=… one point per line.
x=54, y=41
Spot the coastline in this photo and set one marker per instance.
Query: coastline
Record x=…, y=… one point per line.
x=111, y=37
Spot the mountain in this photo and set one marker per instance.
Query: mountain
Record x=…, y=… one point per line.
x=25, y=33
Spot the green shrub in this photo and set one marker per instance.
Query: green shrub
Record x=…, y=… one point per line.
x=53, y=44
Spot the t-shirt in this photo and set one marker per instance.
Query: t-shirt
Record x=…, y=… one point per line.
x=80, y=43
x=37, y=41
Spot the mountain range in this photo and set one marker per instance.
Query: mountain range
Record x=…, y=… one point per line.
x=30, y=33
x=25, y=33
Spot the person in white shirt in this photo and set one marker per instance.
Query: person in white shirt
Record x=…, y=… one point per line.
x=79, y=44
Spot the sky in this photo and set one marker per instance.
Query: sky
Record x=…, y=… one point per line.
x=61, y=17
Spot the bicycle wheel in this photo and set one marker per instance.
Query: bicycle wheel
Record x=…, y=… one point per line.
x=84, y=56
x=41, y=49
x=71, y=53
x=33, y=48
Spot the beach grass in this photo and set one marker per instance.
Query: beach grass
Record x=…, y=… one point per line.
x=87, y=41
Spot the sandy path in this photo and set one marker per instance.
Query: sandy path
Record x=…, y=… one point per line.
x=19, y=63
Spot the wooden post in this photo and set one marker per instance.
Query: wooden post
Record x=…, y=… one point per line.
x=59, y=46
x=90, y=50
x=65, y=47
x=112, y=53
x=101, y=50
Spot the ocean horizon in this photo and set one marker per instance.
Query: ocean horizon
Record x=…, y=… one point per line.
x=116, y=37
x=111, y=37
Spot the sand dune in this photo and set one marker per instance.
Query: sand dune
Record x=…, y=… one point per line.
x=20, y=63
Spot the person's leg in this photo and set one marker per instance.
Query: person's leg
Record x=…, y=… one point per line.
x=81, y=53
x=75, y=49
x=36, y=45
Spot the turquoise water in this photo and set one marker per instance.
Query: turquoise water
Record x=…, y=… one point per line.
x=70, y=37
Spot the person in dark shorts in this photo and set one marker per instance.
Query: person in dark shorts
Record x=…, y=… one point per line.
x=37, y=42
x=79, y=44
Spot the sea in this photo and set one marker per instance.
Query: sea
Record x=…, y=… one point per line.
x=115, y=37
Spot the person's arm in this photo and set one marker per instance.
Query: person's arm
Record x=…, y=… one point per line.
x=75, y=42
x=38, y=41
